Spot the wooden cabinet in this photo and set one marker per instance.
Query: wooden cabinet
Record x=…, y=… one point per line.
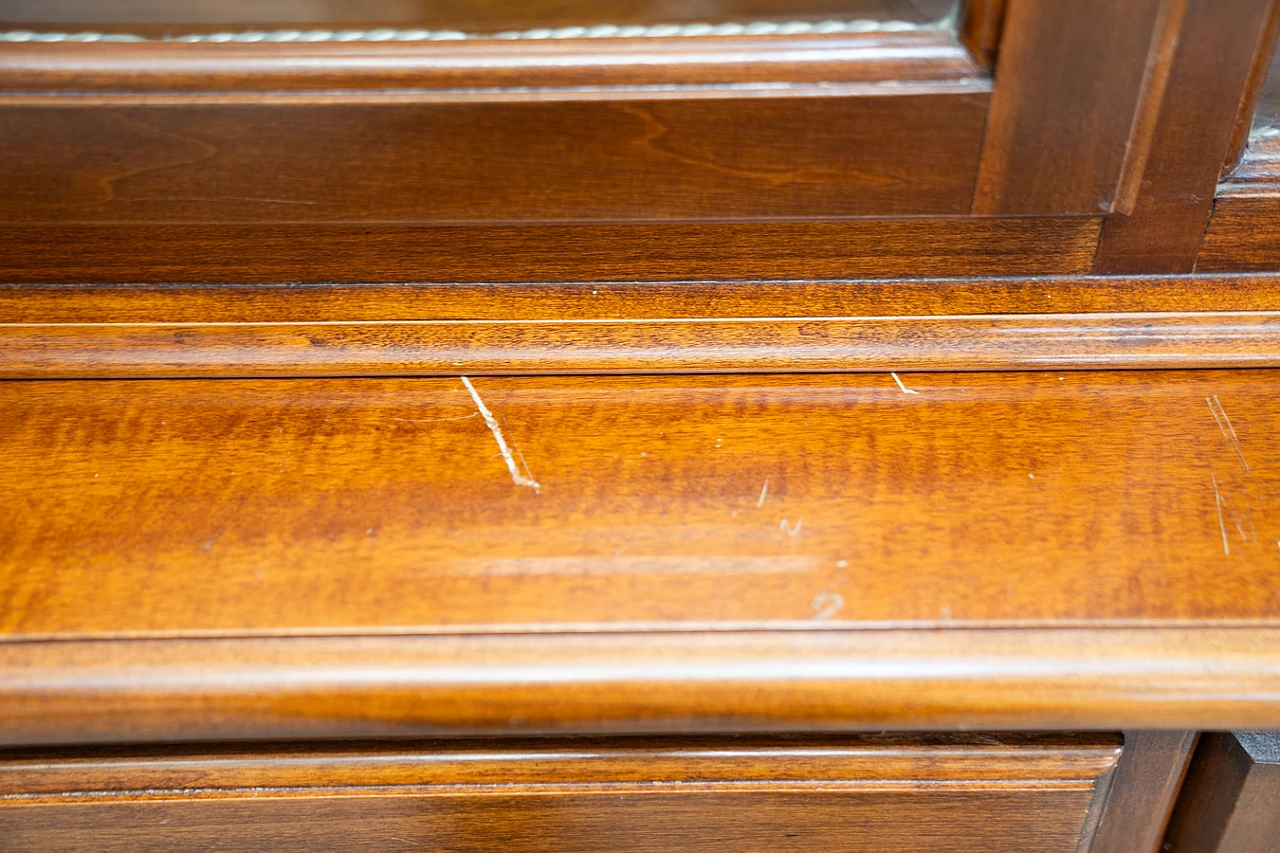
x=833, y=425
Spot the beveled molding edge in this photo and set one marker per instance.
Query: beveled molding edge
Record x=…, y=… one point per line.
x=175, y=331
x=837, y=681
x=482, y=347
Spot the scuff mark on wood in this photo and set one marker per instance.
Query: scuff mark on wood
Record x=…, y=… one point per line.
x=520, y=479
x=1224, y=424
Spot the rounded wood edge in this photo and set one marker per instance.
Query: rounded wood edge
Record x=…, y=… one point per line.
x=325, y=687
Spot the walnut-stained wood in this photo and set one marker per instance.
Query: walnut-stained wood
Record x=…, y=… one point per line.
x=1228, y=804
x=1070, y=80
x=775, y=250
x=1144, y=788
x=1212, y=67
x=965, y=793
x=478, y=163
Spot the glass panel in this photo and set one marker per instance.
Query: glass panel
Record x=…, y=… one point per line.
x=461, y=18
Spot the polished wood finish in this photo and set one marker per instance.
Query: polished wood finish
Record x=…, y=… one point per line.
x=1070, y=80
x=1143, y=791
x=231, y=507
x=1229, y=802
x=1211, y=70
x=744, y=345
x=972, y=794
x=133, y=690
x=629, y=300
x=474, y=163
x=893, y=248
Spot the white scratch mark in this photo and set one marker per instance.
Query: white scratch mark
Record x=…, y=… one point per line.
x=519, y=479
x=827, y=604
x=436, y=420
x=844, y=563
x=904, y=388
x=791, y=531
x=763, y=493
x=1224, y=424
x=1217, y=500
x=946, y=613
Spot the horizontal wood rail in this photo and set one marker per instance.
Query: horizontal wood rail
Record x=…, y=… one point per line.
x=610, y=683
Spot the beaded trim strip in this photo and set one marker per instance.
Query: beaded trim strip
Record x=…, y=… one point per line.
x=602, y=31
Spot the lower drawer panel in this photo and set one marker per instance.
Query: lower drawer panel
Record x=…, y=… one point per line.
x=985, y=794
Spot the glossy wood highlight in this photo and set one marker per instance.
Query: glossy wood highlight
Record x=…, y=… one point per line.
x=83, y=692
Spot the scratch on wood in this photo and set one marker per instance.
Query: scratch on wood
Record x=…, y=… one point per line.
x=525, y=479
x=1224, y=424
x=763, y=493
x=827, y=604
x=791, y=531
x=904, y=388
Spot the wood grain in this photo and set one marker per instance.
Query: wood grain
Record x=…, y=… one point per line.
x=224, y=507
x=323, y=303
x=859, y=795
x=1229, y=802
x=1070, y=80
x=78, y=692
x=213, y=253
x=480, y=347
x=1211, y=69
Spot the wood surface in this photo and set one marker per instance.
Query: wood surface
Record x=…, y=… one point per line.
x=1228, y=804
x=686, y=346
x=372, y=505
x=478, y=163
x=630, y=300
x=1243, y=233
x=715, y=682
x=772, y=250
x=1212, y=67
x=968, y=793
x=1070, y=80
x=1143, y=790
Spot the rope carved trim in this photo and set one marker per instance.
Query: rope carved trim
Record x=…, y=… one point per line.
x=601, y=31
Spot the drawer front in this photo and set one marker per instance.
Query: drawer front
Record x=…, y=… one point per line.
x=985, y=794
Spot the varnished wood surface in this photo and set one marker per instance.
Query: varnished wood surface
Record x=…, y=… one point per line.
x=220, y=253
x=135, y=690
x=1143, y=790
x=1070, y=79
x=744, y=345
x=1243, y=232
x=468, y=163
x=971, y=794
x=1210, y=74
x=225, y=507
x=1228, y=804
x=629, y=300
